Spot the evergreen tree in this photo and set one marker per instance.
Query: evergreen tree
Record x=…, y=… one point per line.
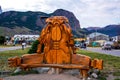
x=33, y=48
x=2, y=39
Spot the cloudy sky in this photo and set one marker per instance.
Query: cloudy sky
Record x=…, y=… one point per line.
x=96, y=13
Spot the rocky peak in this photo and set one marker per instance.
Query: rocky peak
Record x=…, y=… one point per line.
x=72, y=19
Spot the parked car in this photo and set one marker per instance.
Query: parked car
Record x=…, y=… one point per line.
x=83, y=45
x=106, y=47
x=116, y=45
x=77, y=44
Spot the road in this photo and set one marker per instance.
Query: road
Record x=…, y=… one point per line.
x=11, y=48
x=99, y=50
x=109, y=52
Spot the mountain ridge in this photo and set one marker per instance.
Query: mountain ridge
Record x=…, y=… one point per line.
x=33, y=21
x=111, y=30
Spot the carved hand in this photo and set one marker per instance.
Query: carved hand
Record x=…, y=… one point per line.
x=14, y=62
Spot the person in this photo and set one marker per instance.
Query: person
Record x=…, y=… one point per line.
x=23, y=45
x=85, y=46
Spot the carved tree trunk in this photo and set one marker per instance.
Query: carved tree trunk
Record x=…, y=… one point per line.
x=56, y=37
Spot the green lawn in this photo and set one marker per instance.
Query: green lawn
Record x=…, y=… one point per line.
x=111, y=63
x=13, y=53
x=7, y=54
x=1, y=46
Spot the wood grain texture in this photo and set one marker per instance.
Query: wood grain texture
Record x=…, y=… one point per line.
x=57, y=38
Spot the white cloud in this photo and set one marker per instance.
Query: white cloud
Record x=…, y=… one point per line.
x=88, y=12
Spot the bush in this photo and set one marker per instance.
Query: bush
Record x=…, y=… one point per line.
x=117, y=79
x=119, y=42
x=33, y=48
x=2, y=39
x=25, y=72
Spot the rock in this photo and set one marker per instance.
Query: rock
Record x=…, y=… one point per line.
x=94, y=75
x=41, y=69
x=17, y=70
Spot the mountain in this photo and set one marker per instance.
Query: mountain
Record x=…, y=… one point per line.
x=74, y=23
x=0, y=10
x=33, y=22
x=30, y=20
x=111, y=30
x=4, y=31
x=93, y=28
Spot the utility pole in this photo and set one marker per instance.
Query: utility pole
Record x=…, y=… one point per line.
x=96, y=34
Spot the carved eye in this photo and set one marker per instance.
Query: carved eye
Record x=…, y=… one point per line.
x=49, y=23
x=64, y=22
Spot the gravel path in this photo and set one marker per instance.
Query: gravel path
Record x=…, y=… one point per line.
x=65, y=75
x=43, y=77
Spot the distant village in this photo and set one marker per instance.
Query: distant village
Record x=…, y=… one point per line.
x=18, y=39
x=99, y=39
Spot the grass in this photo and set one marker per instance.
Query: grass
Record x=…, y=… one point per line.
x=13, y=53
x=2, y=46
x=111, y=63
x=116, y=73
x=7, y=54
x=117, y=79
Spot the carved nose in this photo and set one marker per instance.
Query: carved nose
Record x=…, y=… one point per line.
x=56, y=23
x=56, y=33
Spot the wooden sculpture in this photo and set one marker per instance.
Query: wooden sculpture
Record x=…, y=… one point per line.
x=58, y=51
x=57, y=39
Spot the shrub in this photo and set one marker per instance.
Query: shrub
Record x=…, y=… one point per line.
x=2, y=39
x=119, y=41
x=33, y=48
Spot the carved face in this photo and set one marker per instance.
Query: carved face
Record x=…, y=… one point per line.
x=55, y=26
x=57, y=20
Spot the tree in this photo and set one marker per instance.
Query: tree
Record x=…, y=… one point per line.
x=2, y=39
x=33, y=48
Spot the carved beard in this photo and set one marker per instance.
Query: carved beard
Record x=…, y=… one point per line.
x=56, y=33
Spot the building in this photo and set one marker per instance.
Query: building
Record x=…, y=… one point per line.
x=25, y=37
x=116, y=38
x=97, y=36
x=18, y=39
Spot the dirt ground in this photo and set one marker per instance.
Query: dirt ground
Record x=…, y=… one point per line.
x=43, y=75
x=48, y=77
x=66, y=75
